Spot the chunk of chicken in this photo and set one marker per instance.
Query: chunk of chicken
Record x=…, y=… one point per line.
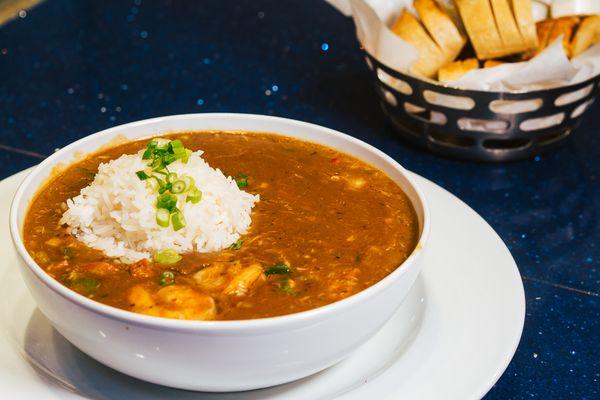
x=212, y=278
x=175, y=301
x=57, y=267
x=245, y=280
x=142, y=269
x=100, y=269
x=215, y=277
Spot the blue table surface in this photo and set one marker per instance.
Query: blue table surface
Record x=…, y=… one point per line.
x=70, y=68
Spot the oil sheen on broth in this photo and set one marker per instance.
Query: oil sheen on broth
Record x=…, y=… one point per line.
x=327, y=226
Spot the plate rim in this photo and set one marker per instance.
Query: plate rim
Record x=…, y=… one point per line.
x=518, y=279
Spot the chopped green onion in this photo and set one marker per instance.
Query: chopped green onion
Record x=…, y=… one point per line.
x=178, y=220
x=161, y=153
x=241, y=180
x=168, y=158
x=147, y=154
x=189, y=182
x=142, y=175
x=176, y=145
x=278, y=269
x=167, y=201
x=87, y=284
x=172, y=177
x=285, y=287
x=194, y=196
x=154, y=183
x=157, y=164
x=167, y=257
x=166, y=278
x=178, y=149
x=149, y=150
x=67, y=253
x=161, y=143
x=162, y=217
x=188, y=153
x=178, y=187
x=237, y=245
x=82, y=283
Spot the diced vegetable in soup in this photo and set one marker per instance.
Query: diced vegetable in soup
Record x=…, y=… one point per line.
x=324, y=225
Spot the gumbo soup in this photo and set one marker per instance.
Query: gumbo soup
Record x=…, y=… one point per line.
x=220, y=226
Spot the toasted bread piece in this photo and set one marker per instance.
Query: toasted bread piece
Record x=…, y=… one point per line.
x=544, y=29
x=492, y=63
x=455, y=70
x=441, y=27
x=507, y=27
x=449, y=8
x=478, y=18
x=522, y=10
x=587, y=35
x=564, y=26
x=549, y=30
x=431, y=57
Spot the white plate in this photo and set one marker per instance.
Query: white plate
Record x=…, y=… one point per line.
x=463, y=320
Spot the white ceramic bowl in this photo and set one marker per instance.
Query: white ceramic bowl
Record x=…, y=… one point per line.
x=219, y=355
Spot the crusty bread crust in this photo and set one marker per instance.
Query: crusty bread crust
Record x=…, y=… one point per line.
x=587, y=35
x=431, y=58
x=522, y=10
x=455, y=70
x=564, y=26
x=441, y=27
x=507, y=27
x=478, y=18
x=492, y=63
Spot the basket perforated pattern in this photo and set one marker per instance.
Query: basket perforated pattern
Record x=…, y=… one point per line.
x=480, y=125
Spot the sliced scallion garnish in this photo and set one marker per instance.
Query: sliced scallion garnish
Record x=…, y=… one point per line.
x=154, y=183
x=194, y=196
x=241, y=180
x=142, y=175
x=237, y=245
x=278, y=269
x=167, y=201
x=160, y=153
x=157, y=164
x=189, y=182
x=163, y=217
x=178, y=149
x=172, y=177
x=86, y=284
x=161, y=143
x=166, y=257
x=178, y=187
x=188, y=153
x=177, y=220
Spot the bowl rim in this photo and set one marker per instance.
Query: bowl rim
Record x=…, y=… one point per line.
x=220, y=326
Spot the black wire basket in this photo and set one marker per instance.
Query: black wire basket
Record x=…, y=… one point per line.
x=480, y=125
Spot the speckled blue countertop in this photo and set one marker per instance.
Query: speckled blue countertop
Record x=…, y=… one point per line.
x=70, y=68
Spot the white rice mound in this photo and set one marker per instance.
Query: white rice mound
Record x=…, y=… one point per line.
x=116, y=213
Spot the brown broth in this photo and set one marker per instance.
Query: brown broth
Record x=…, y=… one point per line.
x=340, y=225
